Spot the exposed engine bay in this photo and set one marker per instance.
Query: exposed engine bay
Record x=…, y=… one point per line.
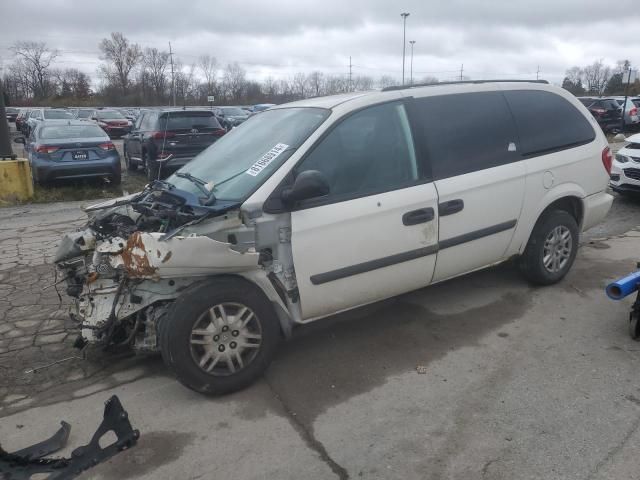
x=137, y=254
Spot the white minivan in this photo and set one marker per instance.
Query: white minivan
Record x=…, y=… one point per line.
x=326, y=204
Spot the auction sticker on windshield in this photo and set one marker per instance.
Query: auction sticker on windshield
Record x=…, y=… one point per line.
x=264, y=161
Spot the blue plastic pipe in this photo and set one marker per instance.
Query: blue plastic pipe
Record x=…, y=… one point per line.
x=623, y=287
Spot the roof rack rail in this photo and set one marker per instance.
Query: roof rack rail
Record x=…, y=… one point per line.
x=461, y=82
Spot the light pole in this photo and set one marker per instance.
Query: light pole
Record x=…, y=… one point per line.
x=404, y=40
x=412, y=42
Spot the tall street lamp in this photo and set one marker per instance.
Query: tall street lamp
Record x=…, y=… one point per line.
x=412, y=42
x=404, y=40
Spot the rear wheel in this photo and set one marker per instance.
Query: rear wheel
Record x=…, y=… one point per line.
x=551, y=249
x=220, y=336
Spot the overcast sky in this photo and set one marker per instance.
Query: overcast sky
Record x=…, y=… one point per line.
x=492, y=38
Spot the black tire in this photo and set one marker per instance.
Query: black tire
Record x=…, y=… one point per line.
x=132, y=167
x=634, y=325
x=175, y=331
x=116, y=180
x=531, y=262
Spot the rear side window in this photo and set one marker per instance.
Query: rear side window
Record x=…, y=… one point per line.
x=466, y=132
x=547, y=122
x=188, y=120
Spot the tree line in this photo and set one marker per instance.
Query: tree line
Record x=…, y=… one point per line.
x=600, y=79
x=132, y=75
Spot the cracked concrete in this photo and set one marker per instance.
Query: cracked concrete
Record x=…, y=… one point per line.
x=515, y=381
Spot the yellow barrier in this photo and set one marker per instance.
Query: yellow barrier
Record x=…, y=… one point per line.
x=15, y=180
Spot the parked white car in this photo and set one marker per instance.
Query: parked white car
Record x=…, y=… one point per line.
x=327, y=204
x=625, y=171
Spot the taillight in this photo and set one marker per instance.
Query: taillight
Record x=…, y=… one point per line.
x=633, y=111
x=599, y=111
x=46, y=149
x=161, y=135
x=607, y=159
x=107, y=146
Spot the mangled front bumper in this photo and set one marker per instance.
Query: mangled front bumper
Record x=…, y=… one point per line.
x=126, y=277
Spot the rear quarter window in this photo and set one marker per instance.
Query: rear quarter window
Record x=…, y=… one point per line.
x=466, y=132
x=547, y=122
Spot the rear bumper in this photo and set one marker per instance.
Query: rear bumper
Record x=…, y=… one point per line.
x=117, y=131
x=47, y=170
x=595, y=209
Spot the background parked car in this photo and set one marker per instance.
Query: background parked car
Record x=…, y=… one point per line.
x=21, y=119
x=83, y=113
x=631, y=118
x=12, y=114
x=170, y=138
x=606, y=111
x=232, y=116
x=70, y=149
x=112, y=122
x=40, y=114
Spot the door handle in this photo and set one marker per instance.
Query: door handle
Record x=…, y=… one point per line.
x=450, y=207
x=414, y=217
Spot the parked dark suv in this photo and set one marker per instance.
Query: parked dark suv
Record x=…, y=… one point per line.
x=164, y=140
x=606, y=111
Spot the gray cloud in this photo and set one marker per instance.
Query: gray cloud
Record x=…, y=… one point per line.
x=278, y=38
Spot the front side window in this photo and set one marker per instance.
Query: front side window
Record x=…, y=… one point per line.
x=369, y=152
x=244, y=158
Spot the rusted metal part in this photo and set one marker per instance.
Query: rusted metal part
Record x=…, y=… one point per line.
x=135, y=259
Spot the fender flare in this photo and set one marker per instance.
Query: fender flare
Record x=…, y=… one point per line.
x=563, y=190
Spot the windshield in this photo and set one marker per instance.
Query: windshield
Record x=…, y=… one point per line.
x=110, y=115
x=72, y=131
x=245, y=157
x=57, y=115
x=234, y=112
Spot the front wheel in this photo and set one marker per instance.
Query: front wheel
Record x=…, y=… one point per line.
x=219, y=336
x=551, y=249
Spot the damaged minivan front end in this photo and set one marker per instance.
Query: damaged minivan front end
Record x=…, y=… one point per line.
x=137, y=254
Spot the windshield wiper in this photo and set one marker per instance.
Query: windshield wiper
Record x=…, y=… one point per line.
x=210, y=199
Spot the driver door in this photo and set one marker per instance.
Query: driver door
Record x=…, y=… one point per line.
x=375, y=234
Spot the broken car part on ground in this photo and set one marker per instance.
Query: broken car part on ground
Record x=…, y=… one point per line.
x=32, y=461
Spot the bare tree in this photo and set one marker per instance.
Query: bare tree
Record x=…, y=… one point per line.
x=270, y=88
x=234, y=79
x=208, y=65
x=156, y=63
x=387, y=81
x=300, y=84
x=121, y=57
x=34, y=59
x=316, y=83
x=596, y=76
x=362, y=82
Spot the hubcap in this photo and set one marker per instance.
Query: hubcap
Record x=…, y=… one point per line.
x=225, y=339
x=557, y=249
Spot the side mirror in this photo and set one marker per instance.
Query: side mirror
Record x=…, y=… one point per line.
x=19, y=140
x=309, y=184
